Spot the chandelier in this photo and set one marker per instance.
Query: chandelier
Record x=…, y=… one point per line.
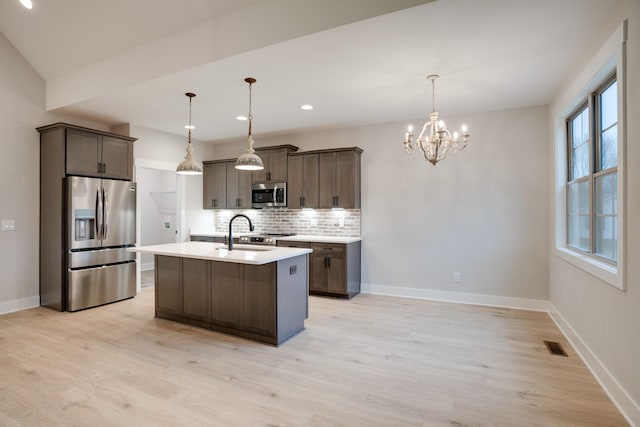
x=249, y=160
x=435, y=140
x=189, y=166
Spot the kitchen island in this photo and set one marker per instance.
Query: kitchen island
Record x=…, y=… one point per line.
x=256, y=292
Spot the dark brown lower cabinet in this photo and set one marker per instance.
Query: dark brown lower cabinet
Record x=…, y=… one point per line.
x=182, y=288
x=195, y=288
x=260, y=298
x=334, y=268
x=168, y=284
x=227, y=294
x=267, y=303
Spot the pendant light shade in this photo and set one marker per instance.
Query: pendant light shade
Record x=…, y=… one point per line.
x=189, y=166
x=249, y=160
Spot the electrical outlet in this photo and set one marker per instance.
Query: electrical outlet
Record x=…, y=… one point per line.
x=8, y=225
x=456, y=276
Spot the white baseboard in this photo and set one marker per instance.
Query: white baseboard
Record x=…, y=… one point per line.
x=625, y=404
x=458, y=297
x=19, y=304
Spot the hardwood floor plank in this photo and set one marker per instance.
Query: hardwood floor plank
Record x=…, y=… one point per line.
x=369, y=361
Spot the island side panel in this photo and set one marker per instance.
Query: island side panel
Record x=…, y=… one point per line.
x=353, y=268
x=292, y=296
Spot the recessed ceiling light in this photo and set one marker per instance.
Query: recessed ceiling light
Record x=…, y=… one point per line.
x=27, y=4
x=241, y=118
x=306, y=107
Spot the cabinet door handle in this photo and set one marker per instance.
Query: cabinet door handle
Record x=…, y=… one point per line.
x=214, y=202
x=268, y=176
x=104, y=168
x=301, y=201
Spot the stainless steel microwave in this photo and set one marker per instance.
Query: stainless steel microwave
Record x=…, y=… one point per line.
x=269, y=194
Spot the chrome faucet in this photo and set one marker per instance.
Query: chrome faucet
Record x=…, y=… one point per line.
x=230, y=243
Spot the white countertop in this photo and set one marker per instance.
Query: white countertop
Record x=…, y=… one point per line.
x=297, y=238
x=320, y=239
x=242, y=254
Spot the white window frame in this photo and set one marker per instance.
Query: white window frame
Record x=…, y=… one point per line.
x=611, y=57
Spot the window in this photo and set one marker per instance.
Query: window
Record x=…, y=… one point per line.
x=589, y=135
x=592, y=156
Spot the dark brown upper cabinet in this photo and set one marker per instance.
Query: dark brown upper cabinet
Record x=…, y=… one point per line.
x=275, y=164
x=302, y=182
x=339, y=178
x=224, y=186
x=98, y=155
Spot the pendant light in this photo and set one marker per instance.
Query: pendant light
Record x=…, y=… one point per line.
x=249, y=160
x=189, y=166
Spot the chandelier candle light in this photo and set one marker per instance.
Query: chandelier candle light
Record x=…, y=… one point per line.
x=189, y=166
x=436, y=144
x=249, y=160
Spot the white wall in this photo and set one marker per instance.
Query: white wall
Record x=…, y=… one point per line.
x=604, y=321
x=164, y=151
x=157, y=204
x=481, y=212
x=22, y=93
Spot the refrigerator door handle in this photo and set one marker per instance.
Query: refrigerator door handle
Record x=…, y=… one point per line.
x=105, y=210
x=98, y=216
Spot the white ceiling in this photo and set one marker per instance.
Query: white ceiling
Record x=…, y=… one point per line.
x=357, y=61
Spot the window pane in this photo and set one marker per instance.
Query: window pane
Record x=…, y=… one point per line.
x=575, y=164
x=609, y=106
x=609, y=148
x=615, y=193
x=572, y=231
x=585, y=125
x=583, y=197
x=604, y=194
x=583, y=232
x=606, y=236
x=572, y=199
x=580, y=128
x=580, y=162
x=576, y=132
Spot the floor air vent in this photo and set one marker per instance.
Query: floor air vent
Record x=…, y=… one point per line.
x=555, y=348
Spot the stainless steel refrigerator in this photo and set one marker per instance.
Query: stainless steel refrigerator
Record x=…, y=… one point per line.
x=101, y=225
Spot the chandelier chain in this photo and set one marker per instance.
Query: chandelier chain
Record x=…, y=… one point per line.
x=433, y=95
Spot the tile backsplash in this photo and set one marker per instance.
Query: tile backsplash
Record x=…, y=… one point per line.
x=324, y=222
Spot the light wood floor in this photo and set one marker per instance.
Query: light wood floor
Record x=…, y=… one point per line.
x=371, y=361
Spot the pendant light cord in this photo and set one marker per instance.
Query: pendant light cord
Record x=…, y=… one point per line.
x=250, y=116
x=189, y=141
